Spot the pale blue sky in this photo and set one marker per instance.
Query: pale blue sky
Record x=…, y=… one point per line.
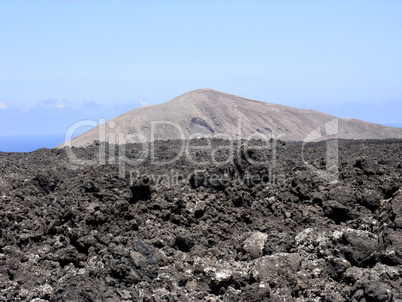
x=65, y=60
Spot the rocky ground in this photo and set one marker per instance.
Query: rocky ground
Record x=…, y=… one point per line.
x=270, y=225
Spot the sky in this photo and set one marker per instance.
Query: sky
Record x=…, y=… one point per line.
x=62, y=61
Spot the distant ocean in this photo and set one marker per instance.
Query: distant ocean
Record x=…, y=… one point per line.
x=28, y=143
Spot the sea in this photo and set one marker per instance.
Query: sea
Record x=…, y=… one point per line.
x=29, y=143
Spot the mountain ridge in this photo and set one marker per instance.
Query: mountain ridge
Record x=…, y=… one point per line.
x=212, y=112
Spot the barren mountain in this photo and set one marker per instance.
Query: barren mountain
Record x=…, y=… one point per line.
x=223, y=115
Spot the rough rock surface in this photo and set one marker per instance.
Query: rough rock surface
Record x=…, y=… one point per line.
x=275, y=230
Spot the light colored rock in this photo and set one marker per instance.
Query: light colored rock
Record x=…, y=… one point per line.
x=254, y=245
x=268, y=266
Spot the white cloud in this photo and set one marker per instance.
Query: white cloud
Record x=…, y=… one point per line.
x=3, y=105
x=54, y=104
x=143, y=103
x=59, y=104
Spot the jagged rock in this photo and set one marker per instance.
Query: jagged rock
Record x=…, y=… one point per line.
x=96, y=233
x=141, y=190
x=358, y=246
x=276, y=264
x=396, y=205
x=254, y=244
x=337, y=266
x=371, y=199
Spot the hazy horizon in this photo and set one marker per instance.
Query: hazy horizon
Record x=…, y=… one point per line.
x=68, y=60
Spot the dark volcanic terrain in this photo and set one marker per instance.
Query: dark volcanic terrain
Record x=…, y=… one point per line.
x=269, y=225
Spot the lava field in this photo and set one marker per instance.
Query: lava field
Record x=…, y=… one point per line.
x=248, y=222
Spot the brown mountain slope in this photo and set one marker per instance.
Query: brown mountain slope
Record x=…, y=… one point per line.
x=216, y=113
